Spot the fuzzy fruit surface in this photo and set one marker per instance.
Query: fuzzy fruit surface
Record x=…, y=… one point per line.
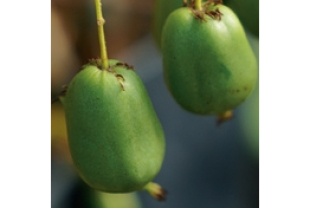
x=162, y=9
x=209, y=66
x=115, y=138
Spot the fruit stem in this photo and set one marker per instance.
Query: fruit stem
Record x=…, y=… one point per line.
x=100, y=23
x=198, y=5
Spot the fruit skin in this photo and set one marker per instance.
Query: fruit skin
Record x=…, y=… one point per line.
x=115, y=138
x=248, y=13
x=162, y=9
x=209, y=66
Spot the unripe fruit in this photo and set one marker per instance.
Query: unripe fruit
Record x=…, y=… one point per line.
x=209, y=66
x=115, y=138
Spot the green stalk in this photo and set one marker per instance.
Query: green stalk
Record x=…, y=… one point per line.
x=198, y=5
x=102, y=44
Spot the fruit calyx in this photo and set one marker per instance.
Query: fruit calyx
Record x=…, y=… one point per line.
x=156, y=191
x=97, y=62
x=209, y=8
x=227, y=115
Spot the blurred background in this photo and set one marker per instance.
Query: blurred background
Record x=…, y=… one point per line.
x=205, y=165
